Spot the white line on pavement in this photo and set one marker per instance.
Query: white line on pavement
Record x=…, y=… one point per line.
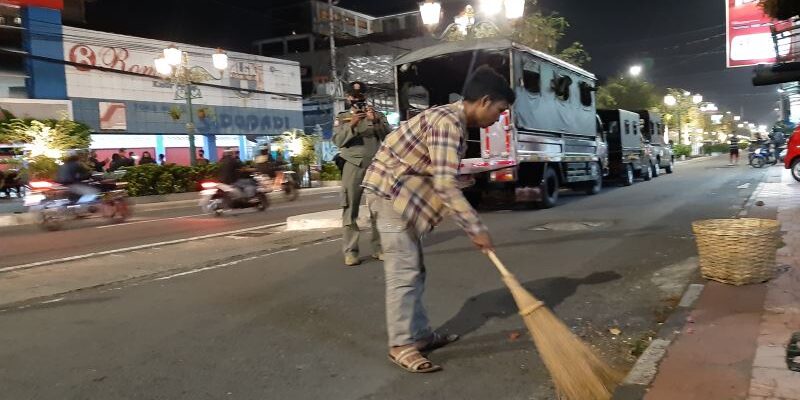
x=148, y=220
x=140, y=247
x=227, y=264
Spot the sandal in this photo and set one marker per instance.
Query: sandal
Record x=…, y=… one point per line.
x=413, y=361
x=435, y=341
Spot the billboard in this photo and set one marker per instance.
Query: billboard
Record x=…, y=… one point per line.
x=748, y=34
x=56, y=4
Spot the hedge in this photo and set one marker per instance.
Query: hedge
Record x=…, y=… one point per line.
x=151, y=179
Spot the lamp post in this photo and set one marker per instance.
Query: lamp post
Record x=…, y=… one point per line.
x=174, y=67
x=635, y=70
x=465, y=25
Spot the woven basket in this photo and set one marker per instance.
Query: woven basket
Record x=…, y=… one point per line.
x=737, y=251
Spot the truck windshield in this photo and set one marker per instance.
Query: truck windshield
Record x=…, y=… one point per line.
x=440, y=80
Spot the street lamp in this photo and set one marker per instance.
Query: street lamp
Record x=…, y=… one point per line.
x=670, y=100
x=697, y=99
x=465, y=24
x=635, y=70
x=174, y=67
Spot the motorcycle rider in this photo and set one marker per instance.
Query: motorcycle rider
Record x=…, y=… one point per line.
x=72, y=174
x=231, y=173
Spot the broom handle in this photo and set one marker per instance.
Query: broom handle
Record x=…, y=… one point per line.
x=498, y=264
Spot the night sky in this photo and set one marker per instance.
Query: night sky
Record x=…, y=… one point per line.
x=681, y=43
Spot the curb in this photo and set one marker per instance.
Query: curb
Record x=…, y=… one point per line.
x=636, y=383
x=277, y=197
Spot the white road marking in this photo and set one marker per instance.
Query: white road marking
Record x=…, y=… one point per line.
x=227, y=264
x=745, y=186
x=53, y=301
x=149, y=220
x=140, y=247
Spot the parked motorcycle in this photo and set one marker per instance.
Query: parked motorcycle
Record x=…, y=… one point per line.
x=217, y=198
x=289, y=184
x=763, y=156
x=55, y=203
x=12, y=181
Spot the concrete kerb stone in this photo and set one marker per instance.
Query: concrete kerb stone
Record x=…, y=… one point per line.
x=639, y=378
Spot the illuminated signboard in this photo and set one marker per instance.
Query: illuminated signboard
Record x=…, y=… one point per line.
x=749, y=35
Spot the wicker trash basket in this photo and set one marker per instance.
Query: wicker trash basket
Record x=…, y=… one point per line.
x=737, y=251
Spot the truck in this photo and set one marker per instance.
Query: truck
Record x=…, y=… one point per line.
x=654, y=135
x=548, y=140
x=629, y=155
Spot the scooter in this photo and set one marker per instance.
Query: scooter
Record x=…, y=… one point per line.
x=763, y=156
x=217, y=198
x=54, y=203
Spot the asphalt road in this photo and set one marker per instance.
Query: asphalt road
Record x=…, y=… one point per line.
x=298, y=325
x=29, y=243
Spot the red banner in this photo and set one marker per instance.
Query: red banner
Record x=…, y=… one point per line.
x=749, y=35
x=55, y=4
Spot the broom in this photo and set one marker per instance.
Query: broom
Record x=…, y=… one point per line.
x=578, y=374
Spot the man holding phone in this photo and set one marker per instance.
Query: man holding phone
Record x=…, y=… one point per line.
x=358, y=133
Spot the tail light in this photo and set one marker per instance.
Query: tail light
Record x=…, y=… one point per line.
x=208, y=185
x=41, y=185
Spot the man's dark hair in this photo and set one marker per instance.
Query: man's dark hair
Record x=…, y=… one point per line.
x=486, y=82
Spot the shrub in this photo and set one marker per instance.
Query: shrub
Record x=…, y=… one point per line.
x=330, y=172
x=716, y=148
x=679, y=150
x=42, y=167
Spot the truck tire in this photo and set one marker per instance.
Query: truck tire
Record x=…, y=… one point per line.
x=549, y=188
x=671, y=167
x=657, y=168
x=627, y=175
x=594, y=187
x=647, y=172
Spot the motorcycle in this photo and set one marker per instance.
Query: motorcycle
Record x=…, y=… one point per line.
x=217, y=197
x=288, y=184
x=54, y=203
x=763, y=156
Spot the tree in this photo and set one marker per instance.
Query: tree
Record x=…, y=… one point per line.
x=49, y=138
x=628, y=94
x=780, y=9
x=544, y=33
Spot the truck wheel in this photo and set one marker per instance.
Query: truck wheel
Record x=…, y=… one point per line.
x=647, y=172
x=796, y=169
x=671, y=167
x=594, y=187
x=474, y=197
x=549, y=188
x=657, y=169
x=627, y=175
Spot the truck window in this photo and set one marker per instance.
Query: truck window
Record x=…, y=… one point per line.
x=531, y=78
x=627, y=128
x=635, y=128
x=586, y=94
x=560, y=85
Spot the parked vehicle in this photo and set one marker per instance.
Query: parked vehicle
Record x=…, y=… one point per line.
x=764, y=155
x=54, y=203
x=661, y=149
x=792, y=160
x=11, y=181
x=217, y=198
x=547, y=141
x=629, y=156
x=287, y=182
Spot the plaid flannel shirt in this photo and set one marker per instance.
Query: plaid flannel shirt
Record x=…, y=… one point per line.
x=417, y=168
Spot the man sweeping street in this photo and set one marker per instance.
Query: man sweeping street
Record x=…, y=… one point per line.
x=411, y=185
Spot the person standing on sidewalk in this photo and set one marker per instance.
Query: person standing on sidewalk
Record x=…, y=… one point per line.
x=358, y=133
x=734, y=147
x=411, y=185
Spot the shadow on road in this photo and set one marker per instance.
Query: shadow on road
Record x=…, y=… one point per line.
x=498, y=303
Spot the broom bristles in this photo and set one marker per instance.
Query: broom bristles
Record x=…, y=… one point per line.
x=577, y=373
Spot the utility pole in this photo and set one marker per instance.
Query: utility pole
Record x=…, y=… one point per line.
x=333, y=45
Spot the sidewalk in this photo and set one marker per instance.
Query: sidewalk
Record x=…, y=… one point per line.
x=732, y=344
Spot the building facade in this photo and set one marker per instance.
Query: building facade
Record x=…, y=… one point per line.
x=109, y=83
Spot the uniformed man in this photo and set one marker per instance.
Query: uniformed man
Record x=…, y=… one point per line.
x=358, y=133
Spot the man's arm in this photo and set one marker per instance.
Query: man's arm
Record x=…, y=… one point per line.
x=344, y=132
x=443, y=141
